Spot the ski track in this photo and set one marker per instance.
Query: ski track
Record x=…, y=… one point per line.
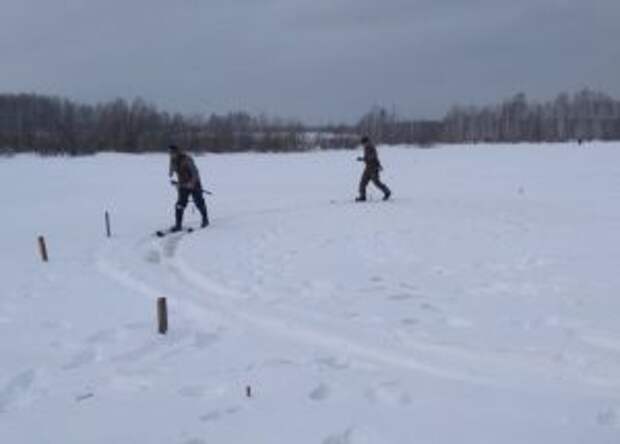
x=452, y=362
x=279, y=328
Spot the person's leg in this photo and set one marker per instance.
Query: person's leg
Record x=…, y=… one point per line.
x=383, y=187
x=363, y=184
x=200, y=203
x=180, y=208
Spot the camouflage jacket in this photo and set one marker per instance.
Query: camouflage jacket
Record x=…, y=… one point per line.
x=184, y=167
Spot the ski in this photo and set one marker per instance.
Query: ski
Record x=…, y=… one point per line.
x=162, y=233
x=361, y=203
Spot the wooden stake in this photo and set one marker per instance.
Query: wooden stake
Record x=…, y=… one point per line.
x=107, y=224
x=162, y=316
x=248, y=391
x=43, y=249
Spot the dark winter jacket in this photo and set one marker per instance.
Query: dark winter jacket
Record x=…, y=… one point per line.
x=187, y=174
x=371, y=158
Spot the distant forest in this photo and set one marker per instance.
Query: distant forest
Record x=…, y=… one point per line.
x=53, y=125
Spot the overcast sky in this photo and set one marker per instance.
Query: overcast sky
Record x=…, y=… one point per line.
x=317, y=60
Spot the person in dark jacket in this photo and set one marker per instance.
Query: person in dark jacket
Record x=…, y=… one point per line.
x=371, y=171
x=188, y=183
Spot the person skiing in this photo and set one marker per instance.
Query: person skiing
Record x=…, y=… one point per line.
x=188, y=182
x=371, y=171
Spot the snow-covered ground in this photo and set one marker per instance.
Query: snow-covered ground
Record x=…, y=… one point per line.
x=481, y=305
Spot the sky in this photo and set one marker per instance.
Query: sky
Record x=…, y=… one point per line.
x=319, y=61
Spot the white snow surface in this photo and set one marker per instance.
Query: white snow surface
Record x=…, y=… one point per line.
x=480, y=305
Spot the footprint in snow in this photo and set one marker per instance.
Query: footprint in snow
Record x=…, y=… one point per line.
x=351, y=315
x=216, y=415
x=388, y=393
x=608, y=417
x=203, y=340
x=320, y=393
x=211, y=416
x=428, y=307
x=194, y=441
x=17, y=389
x=407, y=286
x=152, y=257
x=400, y=297
x=345, y=437
x=354, y=435
x=409, y=321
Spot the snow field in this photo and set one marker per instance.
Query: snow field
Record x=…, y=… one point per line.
x=480, y=305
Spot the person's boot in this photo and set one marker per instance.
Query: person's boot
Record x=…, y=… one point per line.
x=205, y=216
x=178, y=221
x=387, y=195
x=360, y=199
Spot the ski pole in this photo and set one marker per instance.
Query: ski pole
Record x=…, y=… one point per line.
x=176, y=184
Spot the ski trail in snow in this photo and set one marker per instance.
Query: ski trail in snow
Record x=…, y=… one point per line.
x=447, y=361
x=479, y=366
x=293, y=329
x=125, y=279
x=280, y=328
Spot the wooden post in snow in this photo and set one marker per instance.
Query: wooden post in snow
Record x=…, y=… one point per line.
x=162, y=316
x=43, y=249
x=107, y=224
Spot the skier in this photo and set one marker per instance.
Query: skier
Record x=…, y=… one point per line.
x=371, y=171
x=188, y=182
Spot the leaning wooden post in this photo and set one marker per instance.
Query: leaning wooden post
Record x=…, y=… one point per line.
x=162, y=315
x=107, y=224
x=43, y=248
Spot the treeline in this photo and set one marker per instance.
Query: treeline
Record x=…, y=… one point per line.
x=53, y=125
x=587, y=115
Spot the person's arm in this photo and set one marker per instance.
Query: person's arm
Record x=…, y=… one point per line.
x=171, y=167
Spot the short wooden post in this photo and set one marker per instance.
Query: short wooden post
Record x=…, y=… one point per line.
x=43, y=249
x=162, y=315
x=107, y=224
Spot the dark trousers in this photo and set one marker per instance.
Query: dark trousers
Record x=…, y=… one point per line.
x=182, y=201
x=371, y=175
